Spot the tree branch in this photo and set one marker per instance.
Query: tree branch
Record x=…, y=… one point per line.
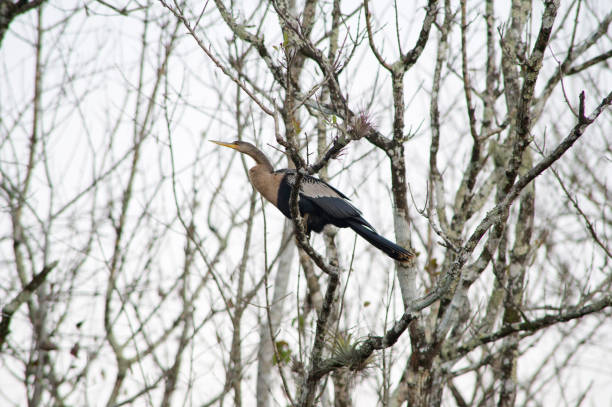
x=26, y=293
x=530, y=327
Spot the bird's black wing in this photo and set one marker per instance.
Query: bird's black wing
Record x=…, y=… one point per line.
x=334, y=203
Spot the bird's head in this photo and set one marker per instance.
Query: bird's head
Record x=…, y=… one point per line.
x=248, y=149
x=241, y=146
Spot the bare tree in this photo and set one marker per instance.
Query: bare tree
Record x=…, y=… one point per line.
x=90, y=220
x=143, y=269
x=478, y=229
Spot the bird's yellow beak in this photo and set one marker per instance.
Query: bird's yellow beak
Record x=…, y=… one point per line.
x=221, y=143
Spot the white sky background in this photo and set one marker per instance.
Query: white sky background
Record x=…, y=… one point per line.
x=101, y=54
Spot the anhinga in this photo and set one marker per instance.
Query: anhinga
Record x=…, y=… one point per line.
x=320, y=204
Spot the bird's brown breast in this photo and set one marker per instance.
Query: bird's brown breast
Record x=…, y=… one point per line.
x=266, y=183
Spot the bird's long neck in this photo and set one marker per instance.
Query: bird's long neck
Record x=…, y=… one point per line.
x=263, y=178
x=262, y=161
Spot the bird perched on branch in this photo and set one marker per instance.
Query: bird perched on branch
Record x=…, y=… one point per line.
x=320, y=204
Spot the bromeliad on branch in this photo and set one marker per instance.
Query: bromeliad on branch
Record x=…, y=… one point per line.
x=320, y=204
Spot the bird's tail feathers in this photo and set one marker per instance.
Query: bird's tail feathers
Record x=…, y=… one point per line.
x=391, y=249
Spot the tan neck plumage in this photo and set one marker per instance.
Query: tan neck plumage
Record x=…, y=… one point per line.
x=263, y=178
x=266, y=182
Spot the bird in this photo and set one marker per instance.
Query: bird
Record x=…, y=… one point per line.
x=320, y=204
